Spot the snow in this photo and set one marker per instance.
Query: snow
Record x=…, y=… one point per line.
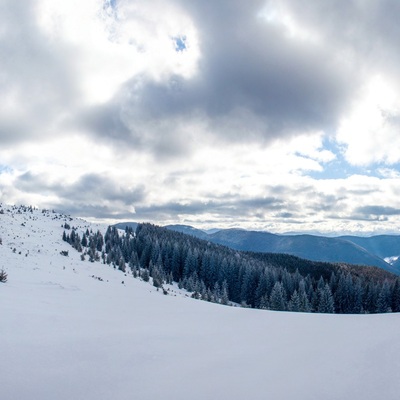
x=67, y=335
x=391, y=260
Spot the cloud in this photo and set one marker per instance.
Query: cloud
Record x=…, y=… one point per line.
x=219, y=207
x=120, y=79
x=370, y=130
x=219, y=113
x=36, y=80
x=89, y=188
x=364, y=28
x=363, y=35
x=379, y=211
x=251, y=83
x=388, y=173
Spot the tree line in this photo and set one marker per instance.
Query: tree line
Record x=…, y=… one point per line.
x=219, y=274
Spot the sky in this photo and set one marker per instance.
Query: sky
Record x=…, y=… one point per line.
x=268, y=115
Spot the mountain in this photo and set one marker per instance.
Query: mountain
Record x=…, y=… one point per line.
x=66, y=334
x=348, y=249
x=374, y=251
x=188, y=230
x=317, y=248
x=396, y=264
x=383, y=246
x=212, y=230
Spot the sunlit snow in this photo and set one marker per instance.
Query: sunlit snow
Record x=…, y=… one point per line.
x=66, y=335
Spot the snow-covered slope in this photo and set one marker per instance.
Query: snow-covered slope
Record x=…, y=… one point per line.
x=66, y=335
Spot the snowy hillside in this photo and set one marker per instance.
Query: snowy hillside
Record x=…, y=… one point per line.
x=66, y=334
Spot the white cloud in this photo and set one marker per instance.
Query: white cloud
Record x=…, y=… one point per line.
x=311, y=146
x=388, y=173
x=370, y=130
x=277, y=14
x=109, y=47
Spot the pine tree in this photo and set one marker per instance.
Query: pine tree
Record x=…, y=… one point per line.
x=369, y=298
x=326, y=302
x=3, y=276
x=384, y=301
x=203, y=291
x=224, y=293
x=145, y=275
x=157, y=277
x=121, y=265
x=358, y=298
x=99, y=241
x=344, y=294
x=277, y=299
x=294, y=303
x=189, y=264
x=305, y=305
x=396, y=296
x=264, y=303
x=261, y=289
x=84, y=241
x=217, y=292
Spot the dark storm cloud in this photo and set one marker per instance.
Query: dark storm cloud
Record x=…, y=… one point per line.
x=90, y=188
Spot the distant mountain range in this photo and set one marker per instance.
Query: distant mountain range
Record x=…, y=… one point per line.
x=381, y=251
x=386, y=247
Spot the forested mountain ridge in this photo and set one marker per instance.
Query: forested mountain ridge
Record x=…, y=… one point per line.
x=381, y=245
x=370, y=251
x=220, y=274
x=347, y=249
x=189, y=230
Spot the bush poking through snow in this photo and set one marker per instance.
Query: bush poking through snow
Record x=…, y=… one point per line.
x=3, y=276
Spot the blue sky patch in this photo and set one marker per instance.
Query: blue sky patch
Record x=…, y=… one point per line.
x=5, y=169
x=339, y=168
x=180, y=43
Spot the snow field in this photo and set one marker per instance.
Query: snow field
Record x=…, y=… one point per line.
x=67, y=335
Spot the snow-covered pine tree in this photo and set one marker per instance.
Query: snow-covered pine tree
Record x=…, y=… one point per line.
x=294, y=303
x=277, y=299
x=3, y=276
x=326, y=302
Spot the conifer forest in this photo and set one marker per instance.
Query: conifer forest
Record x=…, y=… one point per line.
x=219, y=274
